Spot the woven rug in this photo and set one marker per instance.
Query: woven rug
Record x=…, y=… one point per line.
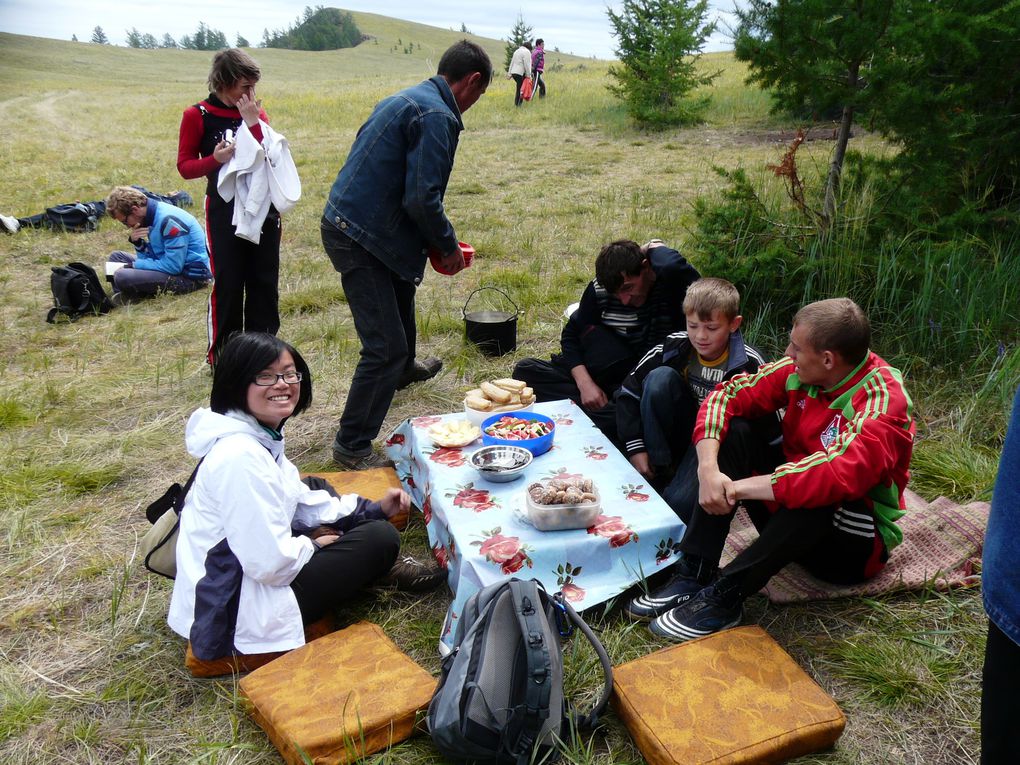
x=942, y=544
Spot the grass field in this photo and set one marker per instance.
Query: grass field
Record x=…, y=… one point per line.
x=92, y=413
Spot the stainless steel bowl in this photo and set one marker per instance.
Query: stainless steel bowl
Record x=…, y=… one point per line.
x=501, y=463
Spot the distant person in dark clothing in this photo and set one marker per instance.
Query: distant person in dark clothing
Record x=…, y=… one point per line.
x=634, y=302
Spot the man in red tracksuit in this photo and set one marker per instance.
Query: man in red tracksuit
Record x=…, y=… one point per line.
x=827, y=498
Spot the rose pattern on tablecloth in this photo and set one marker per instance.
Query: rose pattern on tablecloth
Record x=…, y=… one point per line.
x=562, y=419
x=562, y=474
x=426, y=508
x=426, y=420
x=666, y=549
x=630, y=491
x=565, y=574
x=396, y=439
x=449, y=456
x=441, y=555
x=509, y=553
x=613, y=528
x=467, y=496
x=595, y=452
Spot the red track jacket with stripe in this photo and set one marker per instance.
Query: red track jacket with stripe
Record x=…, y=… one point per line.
x=852, y=441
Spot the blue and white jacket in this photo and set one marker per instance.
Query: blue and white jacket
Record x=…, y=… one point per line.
x=176, y=243
x=237, y=552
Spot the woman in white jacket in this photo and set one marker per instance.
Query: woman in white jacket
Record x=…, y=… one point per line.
x=520, y=67
x=249, y=573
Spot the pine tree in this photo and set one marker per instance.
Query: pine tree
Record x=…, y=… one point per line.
x=134, y=38
x=99, y=36
x=168, y=41
x=815, y=55
x=660, y=42
x=242, y=42
x=520, y=34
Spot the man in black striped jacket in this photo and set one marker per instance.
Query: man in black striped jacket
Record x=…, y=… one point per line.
x=634, y=302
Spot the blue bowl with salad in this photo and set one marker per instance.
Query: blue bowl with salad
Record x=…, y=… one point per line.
x=531, y=430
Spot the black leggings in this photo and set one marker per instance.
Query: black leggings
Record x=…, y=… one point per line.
x=519, y=79
x=339, y=571
x=999, y=743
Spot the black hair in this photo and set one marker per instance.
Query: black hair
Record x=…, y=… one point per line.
x=243, y=356
x=616, y=261
x=464, y=58
x=539, y=41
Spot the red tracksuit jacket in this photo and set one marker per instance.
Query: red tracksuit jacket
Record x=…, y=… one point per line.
x=850, y=442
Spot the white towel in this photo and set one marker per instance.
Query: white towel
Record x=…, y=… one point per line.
x=259, y=174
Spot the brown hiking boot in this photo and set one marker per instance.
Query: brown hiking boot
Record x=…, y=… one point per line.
x=411, y=575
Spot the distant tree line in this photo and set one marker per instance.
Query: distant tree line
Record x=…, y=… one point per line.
x=318, y=29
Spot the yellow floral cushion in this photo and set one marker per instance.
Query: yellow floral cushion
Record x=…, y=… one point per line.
x=730, y=698
x=338, y=698
x=371, y=484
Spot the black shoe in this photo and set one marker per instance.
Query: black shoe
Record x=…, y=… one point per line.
x=692, y=576
x=702, y=615
x=676, y=591
x=364, y=462
x=410, y=575
x=419, y=371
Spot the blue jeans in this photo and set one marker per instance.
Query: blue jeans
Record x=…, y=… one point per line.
x=382, y=306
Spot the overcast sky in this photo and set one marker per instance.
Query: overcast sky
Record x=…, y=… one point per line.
x=574, y=26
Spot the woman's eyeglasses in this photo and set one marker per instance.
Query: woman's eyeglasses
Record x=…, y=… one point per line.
x=265, y=379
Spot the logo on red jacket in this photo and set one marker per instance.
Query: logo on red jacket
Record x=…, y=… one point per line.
x=831, y=432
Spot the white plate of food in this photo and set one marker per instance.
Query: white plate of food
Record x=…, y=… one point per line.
x=454, y=433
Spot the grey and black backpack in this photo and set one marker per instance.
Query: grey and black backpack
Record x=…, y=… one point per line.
x=500, y=697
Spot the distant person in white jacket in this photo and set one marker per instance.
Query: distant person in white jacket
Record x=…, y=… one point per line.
x=260, y=553
x=520, y=67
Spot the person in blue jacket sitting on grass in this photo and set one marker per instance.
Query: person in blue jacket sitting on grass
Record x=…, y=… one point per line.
x=170, y=253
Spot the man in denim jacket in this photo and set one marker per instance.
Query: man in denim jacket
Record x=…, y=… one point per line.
x=384, y=212
x=1000, y=586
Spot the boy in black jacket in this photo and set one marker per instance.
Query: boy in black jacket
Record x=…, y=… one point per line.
x=658, y=403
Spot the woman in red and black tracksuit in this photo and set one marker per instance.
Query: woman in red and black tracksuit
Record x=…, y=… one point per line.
x=245, y=294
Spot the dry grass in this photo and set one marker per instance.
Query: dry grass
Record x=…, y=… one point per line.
x=92, y=414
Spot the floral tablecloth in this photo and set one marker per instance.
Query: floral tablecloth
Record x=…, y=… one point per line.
x=480, y=533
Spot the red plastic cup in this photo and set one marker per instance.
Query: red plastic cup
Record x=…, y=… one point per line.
x=437, y=262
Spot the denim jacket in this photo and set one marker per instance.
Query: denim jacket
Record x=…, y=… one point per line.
x=388, y=196
x=1000, y=573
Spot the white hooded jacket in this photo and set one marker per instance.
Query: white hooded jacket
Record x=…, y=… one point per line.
x=236, y=552
x=259, y=174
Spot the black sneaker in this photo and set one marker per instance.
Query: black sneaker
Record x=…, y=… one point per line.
x=364, y=462
x=419, y=371
x=411, y=575
x=676, y=591
x=702, y=615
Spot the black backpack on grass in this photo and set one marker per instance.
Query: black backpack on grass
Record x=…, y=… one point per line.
x=500, y=699
x=76, y=291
